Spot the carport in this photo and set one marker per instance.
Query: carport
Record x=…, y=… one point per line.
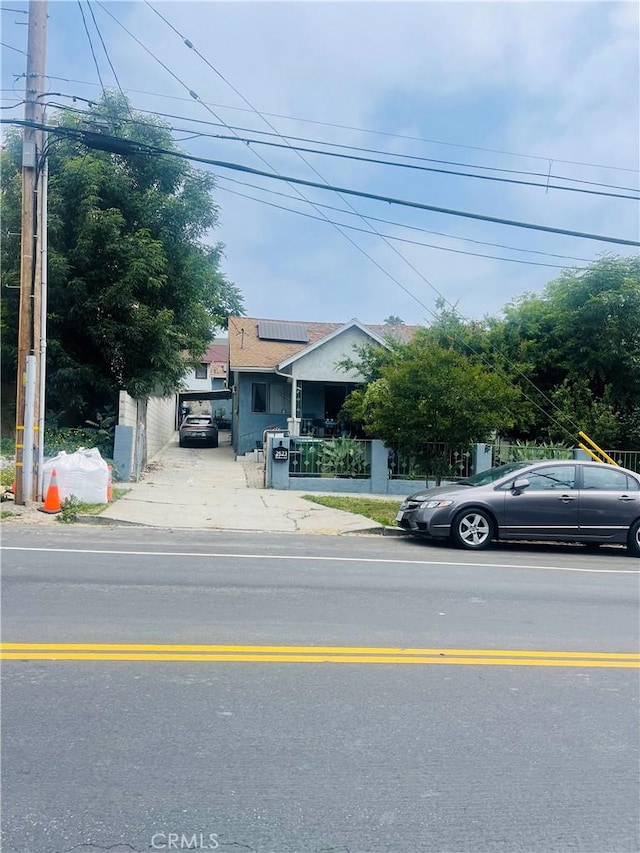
x=186, y=397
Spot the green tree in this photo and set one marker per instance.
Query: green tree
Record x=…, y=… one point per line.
x=579, y=342
x=427, y=393
x=135, y=292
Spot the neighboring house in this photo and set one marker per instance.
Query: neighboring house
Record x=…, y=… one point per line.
x=284, y=375
x=205, y=389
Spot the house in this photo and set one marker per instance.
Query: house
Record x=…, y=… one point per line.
x=205, y=389
x=284, y=375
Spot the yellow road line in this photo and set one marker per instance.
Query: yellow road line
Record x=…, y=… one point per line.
x=313, y=654
x=309, y=650
x=619, y=664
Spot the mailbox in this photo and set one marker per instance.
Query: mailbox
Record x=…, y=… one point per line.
x=280, y=453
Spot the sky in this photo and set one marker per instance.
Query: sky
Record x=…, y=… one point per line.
x=544, y=88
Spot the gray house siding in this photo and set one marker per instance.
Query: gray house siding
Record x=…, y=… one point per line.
x=249, y=425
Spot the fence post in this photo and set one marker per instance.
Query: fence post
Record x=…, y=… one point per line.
x=277, y=471
x=482, y=456
x=123, y=451
x=379, y=468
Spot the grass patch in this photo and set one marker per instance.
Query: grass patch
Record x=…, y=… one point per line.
x=384, y=512
x=7, y=513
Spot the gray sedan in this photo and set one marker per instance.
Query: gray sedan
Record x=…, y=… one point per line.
x=561, y=501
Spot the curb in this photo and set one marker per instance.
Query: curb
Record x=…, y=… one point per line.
x=110, y=522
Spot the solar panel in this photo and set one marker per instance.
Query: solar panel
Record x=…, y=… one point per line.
x=277, y=330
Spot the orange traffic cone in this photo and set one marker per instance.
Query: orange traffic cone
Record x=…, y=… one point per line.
x=110, y=487
x=52, y=499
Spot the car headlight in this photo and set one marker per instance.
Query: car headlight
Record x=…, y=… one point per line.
x=434, y=504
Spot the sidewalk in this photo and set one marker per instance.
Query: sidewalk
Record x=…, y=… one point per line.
x=191, y=488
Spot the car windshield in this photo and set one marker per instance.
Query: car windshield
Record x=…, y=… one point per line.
x=493, y=474
x=195, y=419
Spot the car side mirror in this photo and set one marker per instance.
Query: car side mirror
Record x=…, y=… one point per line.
x=519, y=485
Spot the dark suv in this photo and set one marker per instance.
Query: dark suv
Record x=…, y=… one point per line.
x=198, y=429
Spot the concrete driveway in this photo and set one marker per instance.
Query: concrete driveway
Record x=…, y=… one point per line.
x=207, y=488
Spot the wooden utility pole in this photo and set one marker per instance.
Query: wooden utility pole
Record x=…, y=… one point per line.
x=30, y=268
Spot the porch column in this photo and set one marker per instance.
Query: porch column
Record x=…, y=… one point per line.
x=294, y=421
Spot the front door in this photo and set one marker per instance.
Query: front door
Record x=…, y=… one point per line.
x=547, y=508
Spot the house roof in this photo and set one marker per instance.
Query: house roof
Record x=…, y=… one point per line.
x=375, y=338
x=216, y=353
x=247, y=350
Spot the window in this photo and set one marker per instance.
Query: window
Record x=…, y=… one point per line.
x=270, y=398
x=259, y=397
x=561, y=477
x=202, y=371
x=606, y=478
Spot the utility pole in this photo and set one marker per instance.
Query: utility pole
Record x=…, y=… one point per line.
x=30, y=267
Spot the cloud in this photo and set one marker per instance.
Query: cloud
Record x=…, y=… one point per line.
x=554, y=81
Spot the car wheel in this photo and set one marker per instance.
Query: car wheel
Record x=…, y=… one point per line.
x=473, y=529
x=633, y=539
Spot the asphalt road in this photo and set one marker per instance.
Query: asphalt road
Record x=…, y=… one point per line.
x=463, y=736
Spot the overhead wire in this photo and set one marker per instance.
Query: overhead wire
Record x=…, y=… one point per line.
x=287, y=145
x=406, y=226
x=391, y=134
x=390, y=222
x=106, y=53
x=153, y=149
x=11, y=47
x=93, y=53
x=392, y=237
x=546, y=175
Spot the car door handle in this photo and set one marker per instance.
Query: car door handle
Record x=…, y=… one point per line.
x=566, y=498
x=626, y=498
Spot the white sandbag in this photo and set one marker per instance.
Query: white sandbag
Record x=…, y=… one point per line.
x=83, y=474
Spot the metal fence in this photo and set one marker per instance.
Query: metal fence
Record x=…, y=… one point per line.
x=529, y=452
x=350, y=457
x=627, y=458
x=437, y=460
x=330, y=457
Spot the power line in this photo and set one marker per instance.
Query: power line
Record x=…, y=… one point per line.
x=11, y=47
x=409, y=227
x=546, y=186
x=374, y=161
x=545, y=175
x=358, y=129
x=141, y=148
x=93, y=53
x=351, y=213
x=106, y=53
x=402, y=202
x=390, y=236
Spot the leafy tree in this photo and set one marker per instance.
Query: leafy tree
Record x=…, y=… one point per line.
x=393, y=320
x=427, y=393
x=135, y=294
x=579, y=342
